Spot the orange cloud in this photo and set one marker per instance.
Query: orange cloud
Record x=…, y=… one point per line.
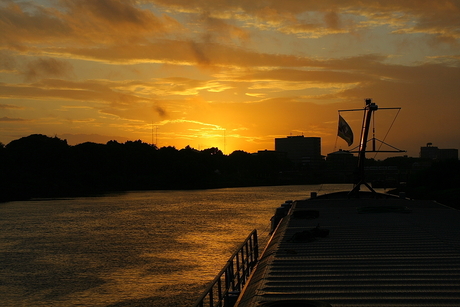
x=183, y=53
x=258, y=69
x=80, y=22
x=438, y=18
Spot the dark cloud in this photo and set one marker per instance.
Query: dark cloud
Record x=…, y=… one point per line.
x=332, y=20
x=199, y=54
x=23, y=24
x=130, y=33
x=8, y=106
x=113, y=11
x=160, y=111
x=80, y=22
x=9, y=119
x=116, y=13
x=7, y=61
x=220, y=30
x=438, y=18
x=47, y=67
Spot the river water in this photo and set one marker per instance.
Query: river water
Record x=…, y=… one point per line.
x=149, y=248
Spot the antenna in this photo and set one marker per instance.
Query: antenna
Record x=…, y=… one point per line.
x=225, y=140
x=369, y=109
x=156, y=136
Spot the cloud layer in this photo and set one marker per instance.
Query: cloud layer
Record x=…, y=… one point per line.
x=228, y=73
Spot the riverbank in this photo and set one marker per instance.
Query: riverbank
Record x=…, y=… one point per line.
x=41, y=167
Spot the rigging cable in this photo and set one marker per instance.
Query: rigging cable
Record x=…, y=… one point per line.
x=384, y=138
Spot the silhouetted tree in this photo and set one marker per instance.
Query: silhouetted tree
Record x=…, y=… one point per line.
x=34, y=166
x=42, y=166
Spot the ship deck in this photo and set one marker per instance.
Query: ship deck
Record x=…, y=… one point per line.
x=385, y=251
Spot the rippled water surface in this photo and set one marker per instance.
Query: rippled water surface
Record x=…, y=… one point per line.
x=149, y=248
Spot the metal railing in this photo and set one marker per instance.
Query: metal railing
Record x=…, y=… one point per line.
x=224, y=290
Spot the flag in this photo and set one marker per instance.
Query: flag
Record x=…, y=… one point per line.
x=345, y=131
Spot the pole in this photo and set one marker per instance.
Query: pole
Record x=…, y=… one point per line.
x=368, y=110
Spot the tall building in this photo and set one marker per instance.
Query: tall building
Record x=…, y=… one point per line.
x=434, y=153
x=429, y=152
x=303, y=151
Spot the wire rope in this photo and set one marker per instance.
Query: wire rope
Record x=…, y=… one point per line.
x=388, y=131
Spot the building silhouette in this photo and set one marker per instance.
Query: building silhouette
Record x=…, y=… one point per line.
x=434, y=153
x=340, y=166
x=304, y=152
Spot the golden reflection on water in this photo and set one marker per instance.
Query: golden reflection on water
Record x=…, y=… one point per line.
x=154, y=248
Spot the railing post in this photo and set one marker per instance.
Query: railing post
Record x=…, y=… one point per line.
x=227, y=277
x=219, y=290
x=256, y=246
x=243, y=266
x=233, y=280
x=211, y=298
x=238, y=270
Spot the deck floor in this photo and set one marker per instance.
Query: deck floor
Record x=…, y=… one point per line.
x=379, y=252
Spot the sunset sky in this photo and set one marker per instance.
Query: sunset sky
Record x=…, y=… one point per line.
x=232, y=74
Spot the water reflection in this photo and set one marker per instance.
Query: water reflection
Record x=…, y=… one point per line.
x=135, y=249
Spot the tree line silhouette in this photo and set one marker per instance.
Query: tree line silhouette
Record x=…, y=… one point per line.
x=40, y=166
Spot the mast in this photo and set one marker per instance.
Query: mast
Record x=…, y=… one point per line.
x=360, y=174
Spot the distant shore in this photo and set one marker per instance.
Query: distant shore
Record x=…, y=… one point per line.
x=38, y=166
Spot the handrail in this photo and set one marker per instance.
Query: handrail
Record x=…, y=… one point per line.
x=226, y=286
